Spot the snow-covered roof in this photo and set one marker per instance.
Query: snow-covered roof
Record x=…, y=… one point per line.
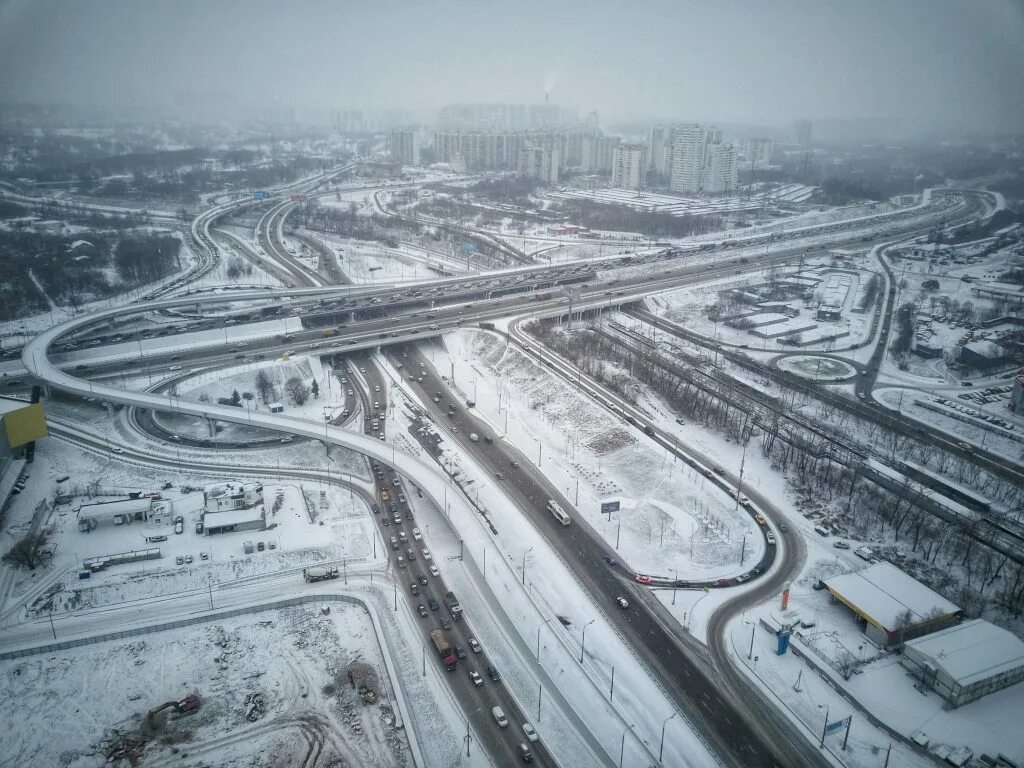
x=972, y=651
x=119, y=507
x=985, y=349
x=233, y=517
x=882, y=592
x=7, y=405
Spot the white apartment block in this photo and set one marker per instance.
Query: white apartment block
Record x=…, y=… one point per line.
x=687, y=171
x=539, y=163
x=760, y=151
x=719, y=168
x=404, y=147
x=659, y=155
x=629, y=167
x=597, y=153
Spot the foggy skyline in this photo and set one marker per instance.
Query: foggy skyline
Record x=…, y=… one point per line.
x=925, y=63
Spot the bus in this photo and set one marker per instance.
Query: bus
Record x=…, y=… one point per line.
x=560, y=514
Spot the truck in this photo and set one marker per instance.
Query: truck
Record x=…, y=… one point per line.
x=864, y=553
x=487, y=326
x=319, y=573
x=453, y=605
x=444, y=650
x=329, y=331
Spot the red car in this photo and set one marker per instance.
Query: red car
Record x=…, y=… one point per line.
x=641, y=579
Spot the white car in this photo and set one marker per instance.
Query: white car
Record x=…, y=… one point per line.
x=474, y=646
x=426, y=554
x=475, y=677
x=416, y=534
x=623, y=602
x=530, y=731
x=433, y=571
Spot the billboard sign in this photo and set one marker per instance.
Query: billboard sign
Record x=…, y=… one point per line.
x=607, y=507
x=24, y=425
x=260, y=195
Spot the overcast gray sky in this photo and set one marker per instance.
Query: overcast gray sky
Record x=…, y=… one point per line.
x=768, y=62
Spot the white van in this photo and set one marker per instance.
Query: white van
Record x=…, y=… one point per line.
x=820, y=531
x=499, y=717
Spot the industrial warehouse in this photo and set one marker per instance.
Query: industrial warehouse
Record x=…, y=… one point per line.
x=965, y=662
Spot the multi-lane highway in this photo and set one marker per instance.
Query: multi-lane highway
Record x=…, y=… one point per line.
x=387, y=316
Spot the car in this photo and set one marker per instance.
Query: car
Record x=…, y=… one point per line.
x=492, y=672
x=433, y=571
x=474, y=646
x=385, y=521
x=115, y=449
x=397, y=518
x=742, y=578
x=426, y=554
x=460, y=652
x=783, y=527
x=498, y=476
x=531, y=732
x=718, y=470
x=770, y=537
x=445, y=623
x=415, y=589
x=475, y=677
x=416, y=534
x=286, y=439
x=841, y=545
x=204, y=556
x=421, y=578
x=401, y=498
x=622, y=602
x=642, y=579
x=526, y=753
x=499, y=717
x=515, y=465
x=721, y=583
x=432, y=603
x=411, y=554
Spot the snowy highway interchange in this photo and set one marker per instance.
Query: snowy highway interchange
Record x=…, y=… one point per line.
x=612, y=558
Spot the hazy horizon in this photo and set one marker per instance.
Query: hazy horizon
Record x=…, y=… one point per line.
x=926, y=64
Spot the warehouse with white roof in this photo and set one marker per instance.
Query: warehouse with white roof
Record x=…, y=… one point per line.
x=965, y=662
x=893, y=606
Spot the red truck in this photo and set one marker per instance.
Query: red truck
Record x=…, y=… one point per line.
x=444, y=650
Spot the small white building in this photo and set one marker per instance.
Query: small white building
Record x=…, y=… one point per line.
x=220, y=497
x=252, y=519
x=965, y=662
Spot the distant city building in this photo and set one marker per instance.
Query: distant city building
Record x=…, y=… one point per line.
x=629, y=166
x=720, y=171
x=598, y=153
x=687, y=171
x=404, y=147
x=802, y=132
x=659, y=153
x=474, y=151
x=700, y=162
x=504, y=117
x=539, y=163
x=760, y=151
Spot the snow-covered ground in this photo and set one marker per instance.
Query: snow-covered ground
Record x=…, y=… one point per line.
x=273, y=687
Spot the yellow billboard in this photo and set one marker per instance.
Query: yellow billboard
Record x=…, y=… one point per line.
x=25, y=425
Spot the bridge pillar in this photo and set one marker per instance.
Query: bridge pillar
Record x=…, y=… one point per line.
x=110, y=409
x=211, y=426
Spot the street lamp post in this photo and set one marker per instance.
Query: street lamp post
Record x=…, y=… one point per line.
x=539, y=628
x=583, y=642
x=661, y=749
x=524, y=564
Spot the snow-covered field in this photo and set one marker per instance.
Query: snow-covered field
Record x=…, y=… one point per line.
x=273, y=686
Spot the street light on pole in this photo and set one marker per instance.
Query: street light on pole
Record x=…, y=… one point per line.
x=524, y=564
x=539, y=628
x=661, y=749
x=583, y=642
